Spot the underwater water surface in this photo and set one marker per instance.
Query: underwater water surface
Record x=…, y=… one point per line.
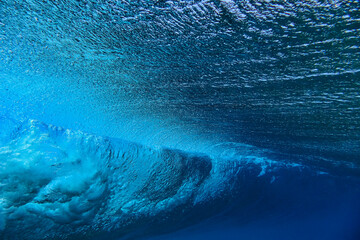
x=208, y=119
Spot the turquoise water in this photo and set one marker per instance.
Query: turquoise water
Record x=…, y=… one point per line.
x=179, y=119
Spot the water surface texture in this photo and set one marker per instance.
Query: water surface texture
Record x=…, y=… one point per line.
x=213, y=119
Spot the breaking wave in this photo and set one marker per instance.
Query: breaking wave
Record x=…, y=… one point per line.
x=61, y=184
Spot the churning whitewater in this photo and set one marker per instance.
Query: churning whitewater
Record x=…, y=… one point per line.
x=62, y=184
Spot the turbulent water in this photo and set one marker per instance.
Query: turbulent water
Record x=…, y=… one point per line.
x=213, y=119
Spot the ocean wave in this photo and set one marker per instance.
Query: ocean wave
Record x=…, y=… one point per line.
x=62, y=184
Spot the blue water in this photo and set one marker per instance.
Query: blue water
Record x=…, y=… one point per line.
x=179, y=119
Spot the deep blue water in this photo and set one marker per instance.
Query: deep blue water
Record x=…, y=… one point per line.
x=182, y=119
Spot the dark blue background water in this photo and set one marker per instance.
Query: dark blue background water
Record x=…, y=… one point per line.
x=204, y=76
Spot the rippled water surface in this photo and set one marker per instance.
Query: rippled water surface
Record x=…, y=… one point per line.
x=260, y=97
